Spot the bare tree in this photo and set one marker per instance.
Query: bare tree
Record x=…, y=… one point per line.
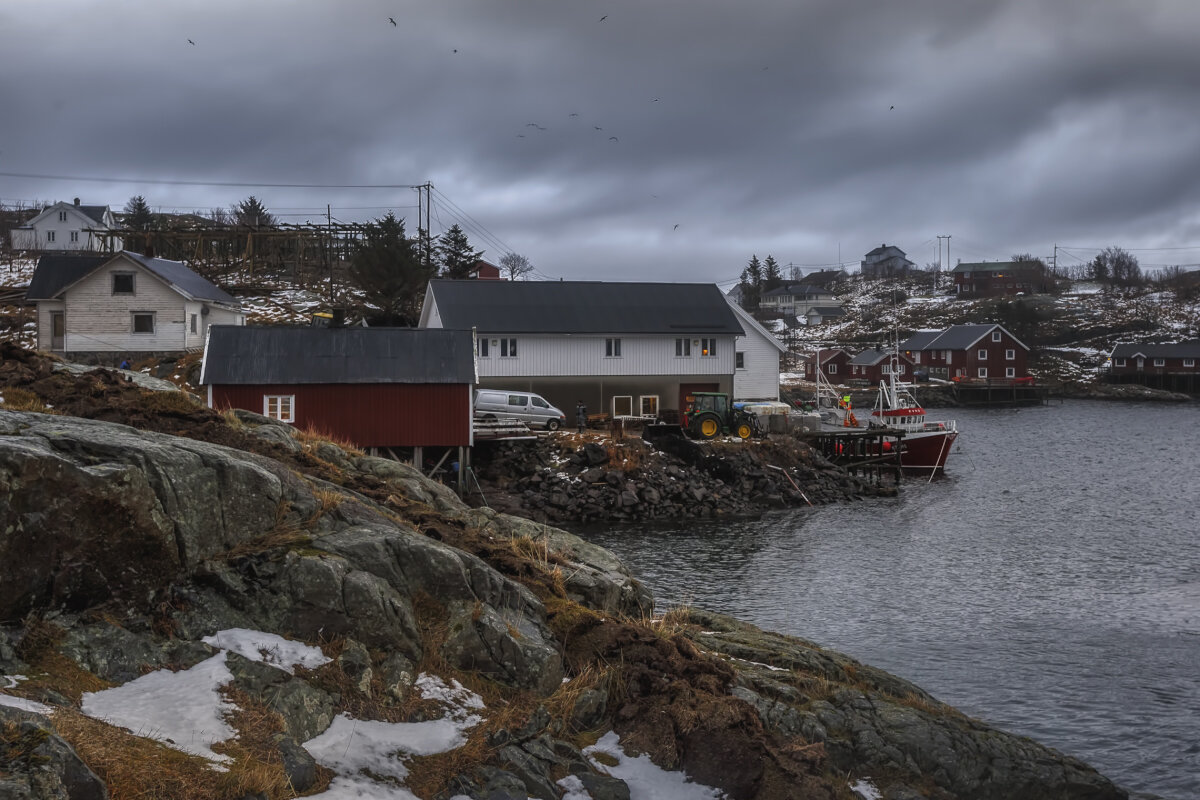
x=515, y=266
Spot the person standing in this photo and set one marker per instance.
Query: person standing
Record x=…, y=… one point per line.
x=581, y=416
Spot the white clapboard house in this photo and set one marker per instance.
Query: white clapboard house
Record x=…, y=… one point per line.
x=124, y=306
x=70, y=227
x=627, y=349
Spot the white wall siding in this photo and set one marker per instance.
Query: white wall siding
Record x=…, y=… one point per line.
x=44, y=307
x=569, y=355
x=98, y=320
x=35, y=237
x=759, y=380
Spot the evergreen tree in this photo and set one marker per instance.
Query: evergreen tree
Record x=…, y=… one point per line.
x=754, y=272
x=389, y=270
x=771, y=276
x=253, y=214
x=751, y=282
x=454, y=253
x=138, y=215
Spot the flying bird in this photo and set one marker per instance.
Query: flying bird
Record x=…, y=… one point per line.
x=392, y=20
x=891, y=108
x=604, y=18
x=676, y=227
x=193, y=44
x=613, y=139
x=573, y=114
x=597, y=127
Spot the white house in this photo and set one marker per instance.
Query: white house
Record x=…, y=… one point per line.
x=115, y=306
x=628, y=349
x=796, y=299
x=68, y=227
x=756, y=359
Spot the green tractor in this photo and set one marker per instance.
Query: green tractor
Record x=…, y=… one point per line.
x=708, y=414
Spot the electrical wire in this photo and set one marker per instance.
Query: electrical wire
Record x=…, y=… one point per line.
x=234, y=184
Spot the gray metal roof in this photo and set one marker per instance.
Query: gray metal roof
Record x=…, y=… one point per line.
x=584, y=307
x=238, y=354
x=985, y=266
x=827, y=311
x=919, y=340
x=182, y=278
x=55, y=272
x=963, y=337
x=869, y=357
x=1190, y=349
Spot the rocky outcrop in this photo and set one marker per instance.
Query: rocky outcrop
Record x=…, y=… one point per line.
x=565, y=480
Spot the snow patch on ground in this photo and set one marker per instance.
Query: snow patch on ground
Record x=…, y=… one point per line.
x=22, y=704
x=646, y=780
x=268, y=648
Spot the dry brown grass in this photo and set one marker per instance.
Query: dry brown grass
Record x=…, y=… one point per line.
x=16, y=399
x=288, y=532
x=315, y=436
x=231, y=419
x=625, y=455
x=170, y=403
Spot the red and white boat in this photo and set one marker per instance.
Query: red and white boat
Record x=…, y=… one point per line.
x=925, y=445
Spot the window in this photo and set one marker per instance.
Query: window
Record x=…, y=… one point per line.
x=612, y=348
x=539, y=402
x=649, y=404
x=49, y=236
x=508, y=348
x=122, y=283
x=916, y=357
x=1160, y=362
x=74, y=236
x=831, y=369
x=995, y=336
x=1118, y=362
x=1190, y=363
x=1010, y=372
x=982, y=354
x=280, y=407
x=483, y=348
x=193, y=323
x=983, y=372
x=62, y=216
x=900, y=369
x=143, y=321
x=887, y=369
x=683, y=347
x=518, y=400
x=622, y=406
x=708, y=347
x=1010, y=355
x=739, y=360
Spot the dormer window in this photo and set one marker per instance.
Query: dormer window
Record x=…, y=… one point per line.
x=122, y=283
x=62, y=216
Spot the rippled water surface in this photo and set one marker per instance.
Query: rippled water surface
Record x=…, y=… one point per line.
x=1050, y=584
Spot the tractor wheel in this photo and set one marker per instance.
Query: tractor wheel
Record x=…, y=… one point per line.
x=706, y=427
x=743, y=430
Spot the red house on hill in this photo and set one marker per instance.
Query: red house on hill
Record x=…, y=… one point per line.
x=980, y=352
x=834, y=365
x=874, y=366
x=375, y=387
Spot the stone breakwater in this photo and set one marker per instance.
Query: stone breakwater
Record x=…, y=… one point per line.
x=590, y=478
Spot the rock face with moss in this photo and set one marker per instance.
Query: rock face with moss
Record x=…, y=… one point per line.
x=121, y=549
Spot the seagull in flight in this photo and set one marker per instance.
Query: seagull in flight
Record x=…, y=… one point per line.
x=604, y=18
x=597, y=127
x=193, y=44
x=573, y=114
x=676, y=227
x=613, y=139
x=392, y=20
x=891, y=108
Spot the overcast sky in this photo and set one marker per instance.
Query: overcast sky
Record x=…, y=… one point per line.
x=580, y=134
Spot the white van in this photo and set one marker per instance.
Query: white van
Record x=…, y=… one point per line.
x=530, y=408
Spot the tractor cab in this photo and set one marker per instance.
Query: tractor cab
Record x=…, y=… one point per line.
x=707, y=414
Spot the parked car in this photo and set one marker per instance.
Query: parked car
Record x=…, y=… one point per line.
x=530, y=408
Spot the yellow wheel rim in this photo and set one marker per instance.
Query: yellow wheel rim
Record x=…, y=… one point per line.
x=708, y=427
x=743, y=431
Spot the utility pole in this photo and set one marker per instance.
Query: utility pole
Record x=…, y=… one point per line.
x=424, y=201
x=947, y=238
x=329, y=251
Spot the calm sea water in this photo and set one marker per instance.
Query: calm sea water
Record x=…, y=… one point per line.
x=1050, y=584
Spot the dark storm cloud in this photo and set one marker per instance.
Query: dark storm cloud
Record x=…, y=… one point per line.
x=797, y=129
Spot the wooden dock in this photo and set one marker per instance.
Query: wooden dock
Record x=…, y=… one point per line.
x=874, y=452
x=1001, y=392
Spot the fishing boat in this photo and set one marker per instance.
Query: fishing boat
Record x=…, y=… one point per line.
x=926, y=444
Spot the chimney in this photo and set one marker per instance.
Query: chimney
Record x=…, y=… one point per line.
x=76, y=201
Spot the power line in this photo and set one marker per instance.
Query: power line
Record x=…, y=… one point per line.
x=166, y=182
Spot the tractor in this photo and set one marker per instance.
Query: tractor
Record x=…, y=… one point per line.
x=707, y=414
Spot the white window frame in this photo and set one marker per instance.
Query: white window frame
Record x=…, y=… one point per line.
x=626, y=401
x=62, y=216
x=982, y=354
x=995, y=336
x=887, y=369
x=900, y=369
x=1190, y=363
x=482, y=346
x=916, y=357
x=831, y=369
x=1010, y=355
x=612, y=348
x=739, y=360
x=193, y=323
x=280, y=406
x=683, y=348
x=133, y=315
x=652, y=411
x=1010, y=372
x=1160, y=362
x=132, y=283
x=708, y=347
x=49, y=236
x=74, y=236
x=1118, y=362
x=982, y=372
x=508, y=347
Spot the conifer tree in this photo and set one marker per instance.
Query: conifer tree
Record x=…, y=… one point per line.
x=138, y=215
x=390, y=271
x=454, y=253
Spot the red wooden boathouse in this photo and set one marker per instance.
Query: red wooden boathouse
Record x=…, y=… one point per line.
x=374, y=387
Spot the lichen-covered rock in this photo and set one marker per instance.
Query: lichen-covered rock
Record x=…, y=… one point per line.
x=47, y=767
